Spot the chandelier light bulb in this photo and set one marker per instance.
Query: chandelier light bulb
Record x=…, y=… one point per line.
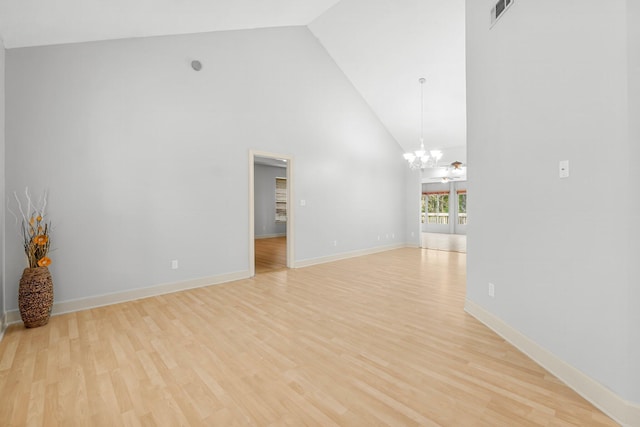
x=410, y=157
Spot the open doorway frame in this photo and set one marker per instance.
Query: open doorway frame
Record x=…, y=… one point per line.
x=290, y=207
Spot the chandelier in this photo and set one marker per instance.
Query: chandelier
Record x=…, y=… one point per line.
x=420, y=159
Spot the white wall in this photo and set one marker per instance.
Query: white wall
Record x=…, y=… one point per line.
x=2, y=190
x=412, y=197
x=147, y=160
x=544, y=87
x=265, y=201
x=633, y=48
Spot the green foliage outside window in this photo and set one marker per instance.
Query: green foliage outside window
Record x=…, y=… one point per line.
x=435, y=208
x=438, y=203
x=462, y=203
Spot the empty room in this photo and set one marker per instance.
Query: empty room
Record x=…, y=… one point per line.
x=319, y=213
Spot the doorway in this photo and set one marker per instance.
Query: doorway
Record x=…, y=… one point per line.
x=270, y=212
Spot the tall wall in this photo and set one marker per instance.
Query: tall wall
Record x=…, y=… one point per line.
x=2, y=189
x=265, y=200
x=146, y=160
x=544, y=87
x=412, y=197
x=633, y=28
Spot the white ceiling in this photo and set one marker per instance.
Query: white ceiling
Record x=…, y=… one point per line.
x=383, y=46
x=41, y=22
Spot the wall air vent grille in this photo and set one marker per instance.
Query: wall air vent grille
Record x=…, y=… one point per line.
x=499, y=9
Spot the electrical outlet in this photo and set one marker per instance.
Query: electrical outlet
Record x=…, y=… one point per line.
x=335, y=243
x=174, y=264
x=491, y=290
x=563, y=169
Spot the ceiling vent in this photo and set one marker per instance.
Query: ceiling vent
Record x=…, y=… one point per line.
x=499, y=9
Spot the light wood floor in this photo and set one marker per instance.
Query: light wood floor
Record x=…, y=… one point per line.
x=369, y=341
x=271, y=254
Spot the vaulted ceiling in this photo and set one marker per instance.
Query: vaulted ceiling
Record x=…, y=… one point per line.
x=382, y=46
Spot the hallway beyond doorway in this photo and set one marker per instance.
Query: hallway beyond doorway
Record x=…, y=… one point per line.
x=271, y=254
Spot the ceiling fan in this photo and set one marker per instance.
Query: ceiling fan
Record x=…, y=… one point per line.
x=456, y=166
x=455, y=171
x=445, y=179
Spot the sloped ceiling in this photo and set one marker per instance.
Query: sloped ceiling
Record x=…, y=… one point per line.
x=385, y=46
x=382, y=46
x=40, y=22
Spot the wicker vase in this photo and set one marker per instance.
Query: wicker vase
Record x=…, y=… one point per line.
x=35, y=296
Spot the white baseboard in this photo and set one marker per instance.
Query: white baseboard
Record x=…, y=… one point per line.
x=347, y=255
x=118, y=297
x=622, y=411
x=269, y=236
x=62, y=307
x=444, y=242
x=3, y=324
x=69, y=306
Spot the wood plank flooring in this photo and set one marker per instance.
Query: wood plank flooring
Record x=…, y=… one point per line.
x=271, y=254
x=369, y=341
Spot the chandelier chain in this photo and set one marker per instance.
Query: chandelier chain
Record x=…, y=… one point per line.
x=422, y=80
x=421, y=159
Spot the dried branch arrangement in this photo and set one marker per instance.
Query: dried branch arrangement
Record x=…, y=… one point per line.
x=35, y=229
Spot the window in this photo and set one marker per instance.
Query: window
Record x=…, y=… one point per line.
x=281, y=199
x=462, y=207
x=436, y=205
